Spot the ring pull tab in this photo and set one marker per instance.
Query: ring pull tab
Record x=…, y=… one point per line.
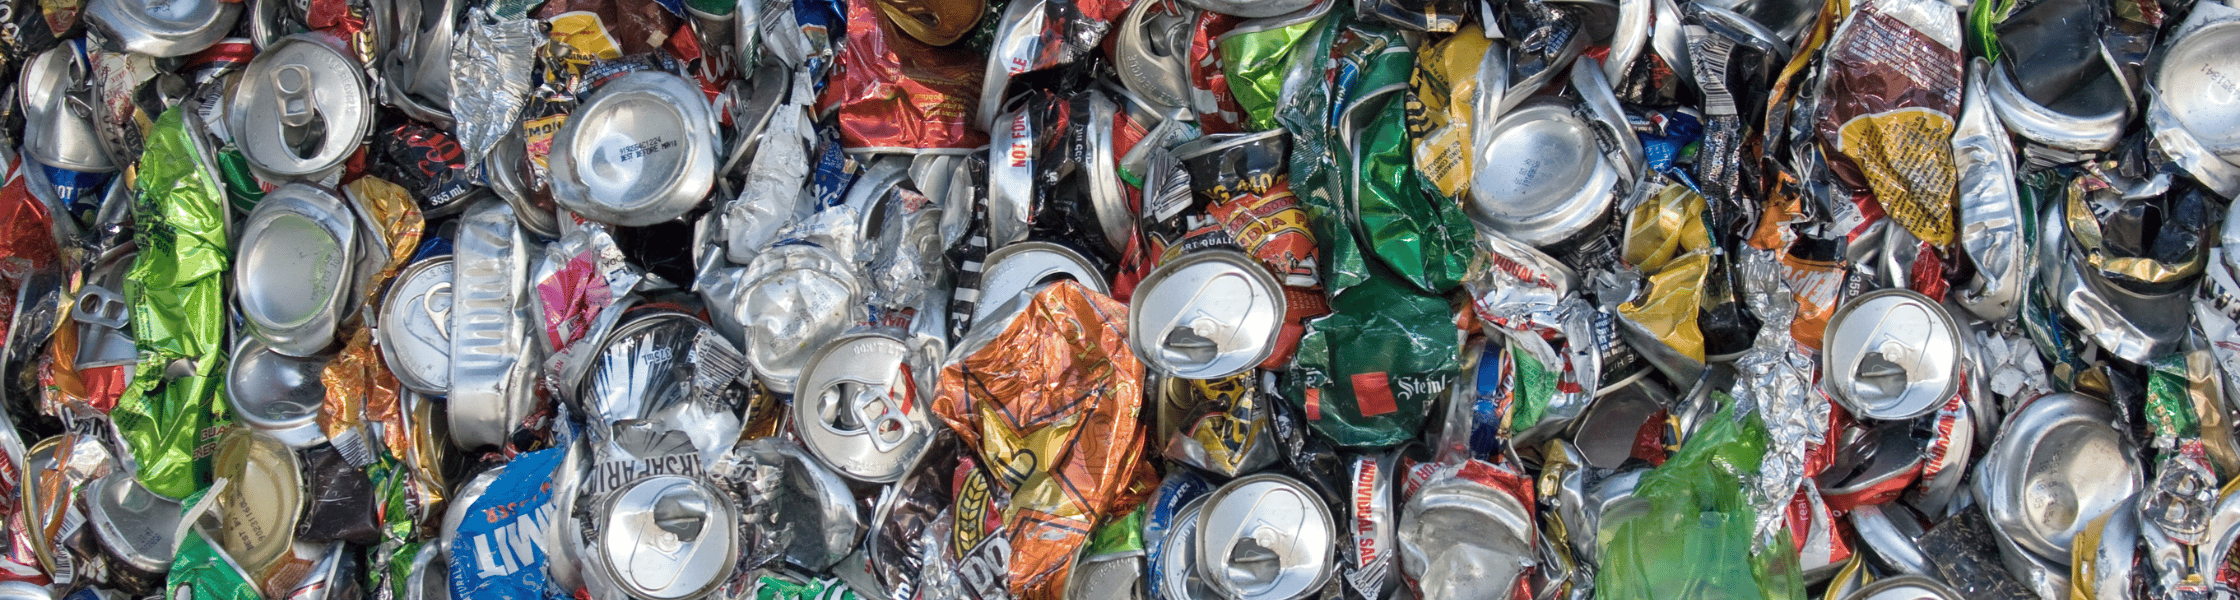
x=301, y=125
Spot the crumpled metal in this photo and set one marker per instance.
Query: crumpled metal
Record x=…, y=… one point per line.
x=790, y=507
x=1775, y=380
x=1991, y=210
x=1528, y=297
x=177, y=292
x=490, y=66
x=772, y=196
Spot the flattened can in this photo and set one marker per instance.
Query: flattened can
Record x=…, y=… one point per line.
x=1206, y=315
x=162, y=29
x=415, y=326
x=796, y=295
x=641, y=151
x=276, y=393
x=1266, y=537
x=2058, y=463
x=1175, y=572
x=859, y=407
x=1459, y=538
x=52, y=87
x=295, y=266
x=1891, y=354
x=667, y=537
x=262, y=500
x=492, y=388
x=134, y=526
x=300, y=108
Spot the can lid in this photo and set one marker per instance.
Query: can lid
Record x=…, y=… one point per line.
x=415, y=326
x=2195, y=80
x=295, y=263
x=2058, y=463
x=1206, y=315
x=162, y=29
x=133, y=524
x=1541, y=176
x=1904, y=587
x=860, y=409
x=641, y=151
x=1176, y=566
x=1265, y=537
x=300, y=108
x=262, y=499
x=53, y=133
x=1891, y=354
x=277, y=393
x=668, y=537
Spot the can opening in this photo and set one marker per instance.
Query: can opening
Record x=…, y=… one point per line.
x=1253, y=568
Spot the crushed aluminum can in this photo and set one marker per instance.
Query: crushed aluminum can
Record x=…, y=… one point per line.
x=1206, y=315
x=1266, y=537
x=415, y=325
x=1904, y=587
x=1892, y=355
x=2090, y=119
x=416, y=74
x=1367, y=562
x=491, y=389
x=790, y=507
x=59, y=130
x=860, y=408
x=2132, y=326
x=640, y=151
x=1174, y=506
x=1991, y=205
x=2057, y=463
x=136, y=528
x=2107, y=571
x=430, y=575
x=1463, y=539
x=1541, y=176
x=1219, y=425
x=297, y=260
x=275, y=393
x=666, y=537
x=2199, y=83
x=300, y=108
x=1152, y=51
x=263, y=498
x=794, y=295
x=162, y=29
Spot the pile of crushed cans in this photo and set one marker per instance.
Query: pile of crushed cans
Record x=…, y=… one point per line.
x=1119, y=299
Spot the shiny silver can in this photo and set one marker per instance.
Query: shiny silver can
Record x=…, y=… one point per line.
x=278, y=394
x=414, y=328
x=861, y=406
x=162, y=29
x=295, y=266
x=493, y=367
x=666, y=537
x=1206, y=315
x=58, y=128
x=1540, y=175
x=1151, y=56
x=262, y=500
x=137, y=528
x=1265, y=537
x=796, y=295
x=1177, y=569
x=2058, y=463
x=640, y=151
x=1464, y=539
x=2198, y=79
x=1891, y=354
x=301, y=107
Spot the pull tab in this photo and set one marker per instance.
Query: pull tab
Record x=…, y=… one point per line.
x=294, y=84
x=99, y=306
x=881, y=413
x=441, y=317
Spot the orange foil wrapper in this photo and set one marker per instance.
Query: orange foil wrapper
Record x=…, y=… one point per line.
x=894, y=92
x=1052, y=404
